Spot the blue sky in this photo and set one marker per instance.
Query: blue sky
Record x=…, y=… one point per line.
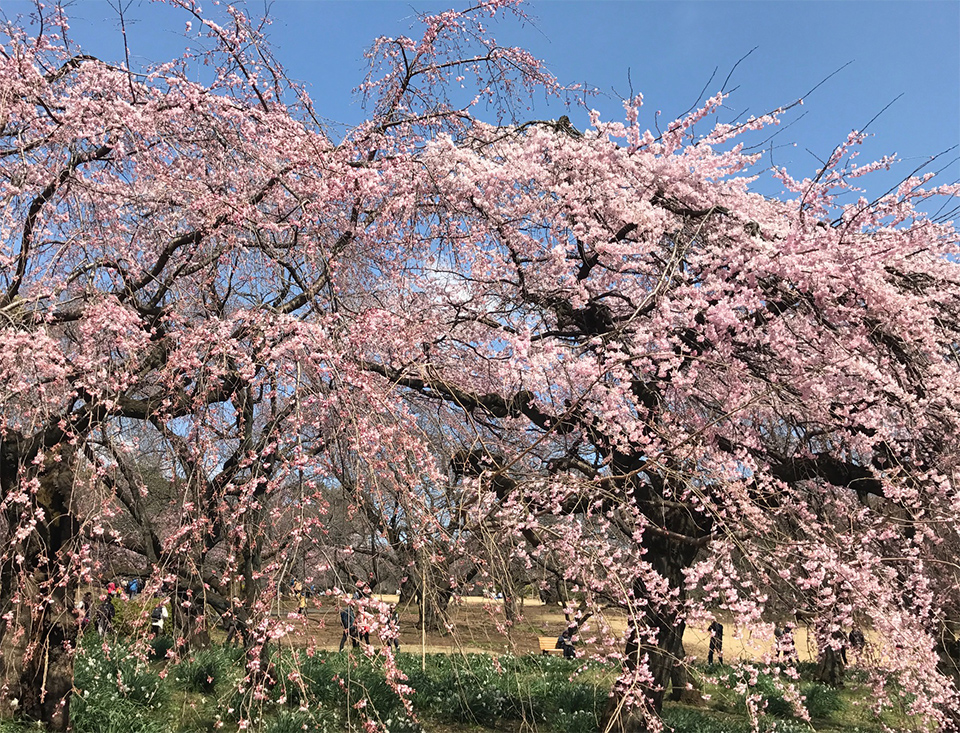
x=669, y=50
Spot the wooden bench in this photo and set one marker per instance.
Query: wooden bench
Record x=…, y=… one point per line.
x=548, y=645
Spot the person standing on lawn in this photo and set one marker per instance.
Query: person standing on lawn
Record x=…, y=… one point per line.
x=348, y=620
x=716, y=642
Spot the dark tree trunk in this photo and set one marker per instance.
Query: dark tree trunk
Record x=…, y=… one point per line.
x=672, y=542
x=38, y=639
x=433, y=599
x=433, y=610
x=261, y=673
x=678, y=677
x=948, y=651
x=188, y=622
x=832, y=664
x=551, y=595
x=669, y=558
x=37, y=658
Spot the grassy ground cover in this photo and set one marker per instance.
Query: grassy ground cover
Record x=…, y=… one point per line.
x=475, y=679
x=124, y=688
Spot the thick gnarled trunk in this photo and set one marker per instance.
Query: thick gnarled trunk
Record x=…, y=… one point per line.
x=38, y=629
x=432, y=595
x=433, y=609
x=948, y=652
x=832, y=658
x=36, y=654
x=650, y=666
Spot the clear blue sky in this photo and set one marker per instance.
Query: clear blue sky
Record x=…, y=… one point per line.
x=670, y=49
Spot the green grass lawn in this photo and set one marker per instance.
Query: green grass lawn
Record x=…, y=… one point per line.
x=125, y=689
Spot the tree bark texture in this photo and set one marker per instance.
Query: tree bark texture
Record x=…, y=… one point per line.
x=38, y=629
x=661, y=658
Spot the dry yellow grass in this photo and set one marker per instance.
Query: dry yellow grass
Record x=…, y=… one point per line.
x=478, y=627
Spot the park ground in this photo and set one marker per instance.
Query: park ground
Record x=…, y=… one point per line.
x=475, y=630
x=475, y=678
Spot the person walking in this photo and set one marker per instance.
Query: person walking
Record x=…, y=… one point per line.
x=301, y=598
x=105, y=614
x=393, y=628
x=362, y=622
x=348, y=620
x=786, y=648
x=158, y=618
